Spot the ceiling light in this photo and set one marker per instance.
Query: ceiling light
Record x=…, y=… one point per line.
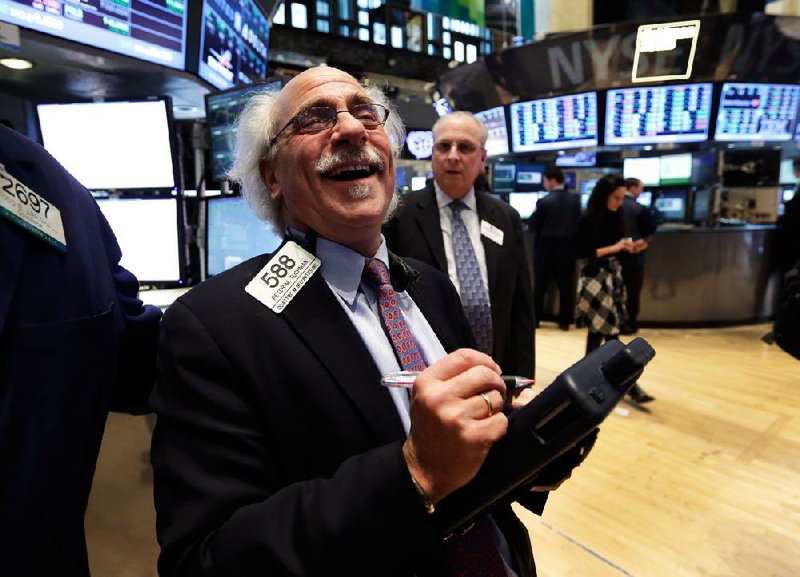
x=16, y=63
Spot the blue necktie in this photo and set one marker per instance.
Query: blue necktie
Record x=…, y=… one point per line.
x=473, y=553
x=474, y=296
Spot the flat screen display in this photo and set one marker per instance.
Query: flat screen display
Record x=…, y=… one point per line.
x=757, y=112
x=670, y=206
x=787, y=172
x=142, y=29
x=679, y=113
x=222, y=111
x=676, y=169
x=233, y=43
x=645, y=198
x=112, y=145
x=148, y=235
x=701, y=204
x=581, y=158
x=494, y=120
x=554, y=123
x=648, y=170
x=418, y=182
x=234, y=234
x=524, y=203
x=587, y=186
x=528, y=177
x=788, y=194
x=503, y=178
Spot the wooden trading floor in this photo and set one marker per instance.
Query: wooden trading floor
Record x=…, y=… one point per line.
x=704, y=484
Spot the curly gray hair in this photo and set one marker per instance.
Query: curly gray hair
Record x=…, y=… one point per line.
x=256, y=127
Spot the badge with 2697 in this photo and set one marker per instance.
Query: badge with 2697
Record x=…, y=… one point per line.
x=25, y=208
x=284, y=275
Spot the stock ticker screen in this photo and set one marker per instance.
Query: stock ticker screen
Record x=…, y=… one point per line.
x=233, y=43
x=494, y=120
x=757, y=111
x=554, y=123
x=151, y=30
x=678, y=113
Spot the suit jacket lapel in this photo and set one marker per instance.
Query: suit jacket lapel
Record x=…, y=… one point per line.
x=487, y=212
x=321, y=323
x=429, y=224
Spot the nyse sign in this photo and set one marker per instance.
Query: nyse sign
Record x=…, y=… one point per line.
x=729, y=46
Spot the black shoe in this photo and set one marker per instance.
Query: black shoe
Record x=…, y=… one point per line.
x=563, y=326
x=627, y=331
x=639, y=397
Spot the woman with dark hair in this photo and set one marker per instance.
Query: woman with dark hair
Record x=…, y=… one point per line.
x=601, y=293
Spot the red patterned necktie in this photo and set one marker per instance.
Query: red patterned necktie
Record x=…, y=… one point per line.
x=473, y=553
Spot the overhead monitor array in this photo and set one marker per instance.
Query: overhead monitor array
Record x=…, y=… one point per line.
x=142, y=29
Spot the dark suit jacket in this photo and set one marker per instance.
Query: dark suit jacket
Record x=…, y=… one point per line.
x=416, y=232
x=555, y=223
x=637, y=222
x=277, y=451
x=74, y=341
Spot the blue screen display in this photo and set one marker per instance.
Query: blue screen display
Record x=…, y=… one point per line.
x=234, y=234
x=154, y=31
x=679, y=113
x=554, y=123
x=757, y=112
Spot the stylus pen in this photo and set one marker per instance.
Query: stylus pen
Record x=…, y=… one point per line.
x=406, y=379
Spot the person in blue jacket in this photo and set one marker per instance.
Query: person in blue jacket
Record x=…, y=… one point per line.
x=75, y=342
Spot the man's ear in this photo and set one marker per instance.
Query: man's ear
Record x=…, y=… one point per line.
x=270, y=180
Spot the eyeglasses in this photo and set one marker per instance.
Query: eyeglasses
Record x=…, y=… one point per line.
x=464, y=148
x=319, y=118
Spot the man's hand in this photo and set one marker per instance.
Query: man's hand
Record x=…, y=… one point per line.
x=456, y=416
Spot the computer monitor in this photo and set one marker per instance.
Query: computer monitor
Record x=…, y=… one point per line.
x=524, y=203
x=554, y=123
x=113, y=145
x=503, y=178
x=787, y=172
x=587, y=186
x=576, y=159
x=788, y=194
x=701, y=204
x=140, y=29
x=670, y=205
x=646, y=169
x=675, y=169
x=149, y=233
x=222, y=111
x=528, y=178
x=645, y=198
x=653, y=114
x=419, y=182
x=234, y=234
x=494, y=120
x=762, y=112
x=234, y=37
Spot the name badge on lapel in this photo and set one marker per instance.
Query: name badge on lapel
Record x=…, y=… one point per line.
x=491, y=232
x=283, y=276
x=27, y=209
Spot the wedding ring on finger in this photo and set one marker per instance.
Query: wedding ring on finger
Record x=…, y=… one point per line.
x=488, y=402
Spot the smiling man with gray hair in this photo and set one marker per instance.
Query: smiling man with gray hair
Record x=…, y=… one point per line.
x=277, y=450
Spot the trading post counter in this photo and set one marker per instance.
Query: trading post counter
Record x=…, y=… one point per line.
x=709, y=277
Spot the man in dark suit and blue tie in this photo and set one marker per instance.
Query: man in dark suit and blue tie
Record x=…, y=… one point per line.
x=277, y=450
x=75, y=341
x=458, y=230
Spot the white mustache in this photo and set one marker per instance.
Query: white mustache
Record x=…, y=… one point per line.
x=365, y=155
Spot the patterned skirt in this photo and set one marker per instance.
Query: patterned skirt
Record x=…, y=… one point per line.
x=601, y=298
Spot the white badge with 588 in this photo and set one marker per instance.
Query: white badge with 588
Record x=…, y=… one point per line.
x=284, y=275
x=29, y=210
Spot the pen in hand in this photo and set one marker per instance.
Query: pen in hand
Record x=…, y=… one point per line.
x=406, y=380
